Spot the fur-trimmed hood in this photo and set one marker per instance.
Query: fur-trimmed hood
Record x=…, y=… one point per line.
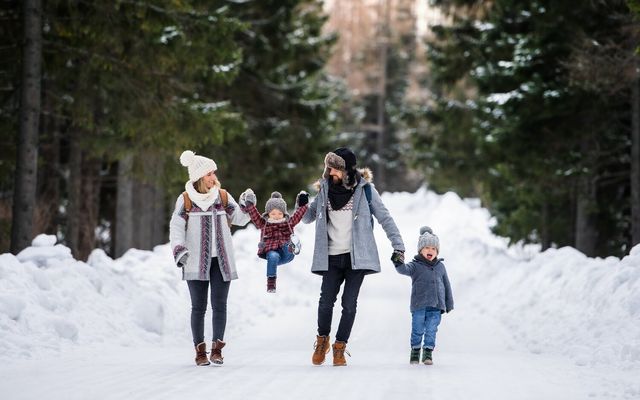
x=364, y=173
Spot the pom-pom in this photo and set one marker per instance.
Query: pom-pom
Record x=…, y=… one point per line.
x=425, y=229
x=186, y=158
x=276, y=195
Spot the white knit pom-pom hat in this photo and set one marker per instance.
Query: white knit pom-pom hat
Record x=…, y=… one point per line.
x=198, y=166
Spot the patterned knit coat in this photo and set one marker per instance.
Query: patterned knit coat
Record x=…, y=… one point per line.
x=191, y=233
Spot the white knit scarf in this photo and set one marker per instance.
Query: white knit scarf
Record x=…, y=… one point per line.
x=202, y=200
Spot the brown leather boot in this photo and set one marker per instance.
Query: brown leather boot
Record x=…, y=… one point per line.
x=216, y=351
x=320, y=349
x=271, y=284
x=339, y=348
x=201, y=354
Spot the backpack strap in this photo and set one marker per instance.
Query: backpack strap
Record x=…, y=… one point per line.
x=224, y=196
x=367, y=193
x=187, y=201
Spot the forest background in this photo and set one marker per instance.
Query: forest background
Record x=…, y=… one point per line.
x=533, y=107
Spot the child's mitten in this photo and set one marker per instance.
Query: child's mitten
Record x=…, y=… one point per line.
x=397, y=257
x=302, y=198
x=247, y=198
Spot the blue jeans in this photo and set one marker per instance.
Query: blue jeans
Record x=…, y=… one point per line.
x=424, y=323
x=278, y=257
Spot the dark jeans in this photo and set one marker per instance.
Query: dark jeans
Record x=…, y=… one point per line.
x=219, y=292
x=339, y=271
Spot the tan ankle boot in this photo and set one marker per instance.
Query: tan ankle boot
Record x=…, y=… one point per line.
x=339, y=348
x=320, y=349
x=201, y=354
x=216, y=352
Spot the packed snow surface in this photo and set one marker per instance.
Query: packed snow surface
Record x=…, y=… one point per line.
x=526, y=324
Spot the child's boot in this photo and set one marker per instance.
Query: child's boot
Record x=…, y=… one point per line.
x=415, y=356
x=427, y=356
x=271, y=284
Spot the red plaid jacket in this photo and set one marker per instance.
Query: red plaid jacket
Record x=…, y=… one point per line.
x=274, y=234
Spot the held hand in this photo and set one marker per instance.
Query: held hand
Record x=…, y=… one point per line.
x=302, y=198
x=397, y=257
x=247, y=197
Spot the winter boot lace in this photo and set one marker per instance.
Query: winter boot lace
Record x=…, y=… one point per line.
x=216, y=352
x=271, y=284
x=320, y=349
x=427, y=356
x=339, y=348
x=201, y=354
x=415, y=356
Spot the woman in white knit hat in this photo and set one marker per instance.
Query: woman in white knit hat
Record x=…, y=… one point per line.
x=201, y=242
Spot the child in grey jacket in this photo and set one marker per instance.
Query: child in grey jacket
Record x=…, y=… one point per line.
x=430, y=294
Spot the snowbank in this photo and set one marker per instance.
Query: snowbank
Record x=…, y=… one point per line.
x=555, y=302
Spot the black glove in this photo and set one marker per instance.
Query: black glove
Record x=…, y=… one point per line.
x=397, y=257
x=303, y=198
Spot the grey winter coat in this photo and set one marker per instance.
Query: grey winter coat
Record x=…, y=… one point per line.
x=429, y=284
x=364, y=252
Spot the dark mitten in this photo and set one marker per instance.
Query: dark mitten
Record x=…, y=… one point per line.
x=397, y=257
x=303, y=198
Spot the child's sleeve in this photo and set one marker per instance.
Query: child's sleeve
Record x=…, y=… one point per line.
x=297, y=216
x=310, y=214
x=405, y=269
x=236, y=215
x=255, y=216
x=448, y=294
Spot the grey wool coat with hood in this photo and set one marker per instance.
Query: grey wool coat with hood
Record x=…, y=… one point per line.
x=364, y=252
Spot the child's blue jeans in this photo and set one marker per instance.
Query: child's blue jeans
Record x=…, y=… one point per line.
x=278, y=257
x=424, y=323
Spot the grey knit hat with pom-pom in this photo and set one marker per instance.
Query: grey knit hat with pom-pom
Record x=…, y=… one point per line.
x=428, y=238
x=276, y=202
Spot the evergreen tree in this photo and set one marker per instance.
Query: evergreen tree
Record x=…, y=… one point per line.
x=543, y=144
x=286, y=100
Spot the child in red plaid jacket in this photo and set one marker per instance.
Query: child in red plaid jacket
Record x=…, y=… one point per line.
x=276, y=228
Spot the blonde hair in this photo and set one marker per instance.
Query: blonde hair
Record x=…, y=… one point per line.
x=201, y=187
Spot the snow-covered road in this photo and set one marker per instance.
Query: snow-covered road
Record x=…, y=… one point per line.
x=119, y=329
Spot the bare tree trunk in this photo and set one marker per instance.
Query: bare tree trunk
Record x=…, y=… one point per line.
x=545, y=235
x=382, y=94
x=124, y=207
x=24, y=198
x=74, y=192
x=635, y=164
x=89, y=206
x=48, y=201
x=160, y=217
x=144, y=212
x=144, y=207
x=585, y=232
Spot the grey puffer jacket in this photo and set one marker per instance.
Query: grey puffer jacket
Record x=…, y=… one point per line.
x=364, y=252
x=429, y=284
